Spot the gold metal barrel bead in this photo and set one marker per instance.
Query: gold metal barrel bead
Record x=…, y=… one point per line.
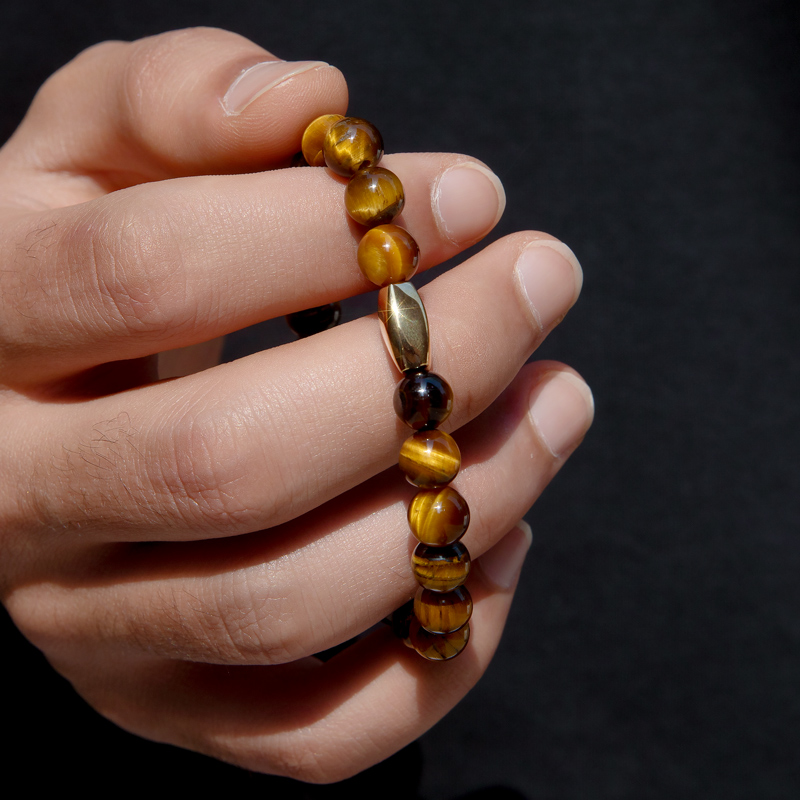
x=405, y=326
x=438, y=646
x=388, y=254
x=443, y=612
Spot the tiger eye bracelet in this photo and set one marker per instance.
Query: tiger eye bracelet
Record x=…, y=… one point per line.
x=438, y=625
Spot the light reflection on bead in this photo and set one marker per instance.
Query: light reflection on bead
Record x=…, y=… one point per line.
x=374, y=196
x=438, y=646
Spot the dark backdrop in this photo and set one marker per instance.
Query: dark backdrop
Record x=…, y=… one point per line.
x=654, y=647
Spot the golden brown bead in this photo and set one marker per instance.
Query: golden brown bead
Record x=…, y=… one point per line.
x=443, y=612
x=374, y=196
x=438, y=646
x=352, y=144
x=388, y=254
x=440, y=569
x=438, y=517
x=314, y=136
x=430, y=459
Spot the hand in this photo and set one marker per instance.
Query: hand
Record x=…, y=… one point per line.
x=179, y=549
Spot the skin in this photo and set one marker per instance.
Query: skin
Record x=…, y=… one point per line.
x=155, y=534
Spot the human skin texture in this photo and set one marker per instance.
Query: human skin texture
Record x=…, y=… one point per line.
x=179, y=549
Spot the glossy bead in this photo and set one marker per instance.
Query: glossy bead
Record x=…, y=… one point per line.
x=374, y=196
x=313, y=320
x=388, y=254
x=352, y=144
x=430, y=459
x=405, y=326
x=314, y=136
x=440, y=569
x=423, y=400
x=438, y=517
x=438, y=646
x=443, y=612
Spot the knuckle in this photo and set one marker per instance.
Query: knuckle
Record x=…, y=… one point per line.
x=122, y=250
x=204, y=472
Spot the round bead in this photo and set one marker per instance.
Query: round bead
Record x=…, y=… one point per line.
x=352, y=144
x=430, y=459
x=314, y=136
x=438, y=646
x=423, y=400
x=374, y=196
x=438, y=517
x=313, y=320
x=443, y=612
x=388, y=254
x=440, y=569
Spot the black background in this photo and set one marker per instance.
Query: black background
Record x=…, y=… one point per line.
x=654, y=646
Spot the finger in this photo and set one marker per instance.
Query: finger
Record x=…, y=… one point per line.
x=168, y=265
x=186, y=102
x=248, y=445
x=310, y=721
x=281, y=595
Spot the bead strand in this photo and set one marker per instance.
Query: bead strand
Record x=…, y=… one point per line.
x=388, y=256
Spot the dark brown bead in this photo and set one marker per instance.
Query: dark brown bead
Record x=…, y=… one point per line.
x=440, y=569
x=352, y=144
x=438, y=517
x=438, y=646
x=423, y=400
x=443, y=612
x=430, y=459
x=374, y=196
x=314, y=137
x=313, y=320
x=388, y=254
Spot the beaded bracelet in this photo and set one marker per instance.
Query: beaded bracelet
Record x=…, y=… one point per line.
x=438, y=628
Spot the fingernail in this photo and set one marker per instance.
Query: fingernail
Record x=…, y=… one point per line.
x=502, y=563
x=562, y=409
x=260, y=78
x=468, y=201
x=550, y=278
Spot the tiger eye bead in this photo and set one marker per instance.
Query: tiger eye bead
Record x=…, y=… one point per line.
x=438, y=646
x=440, y=569
x=352, y=144
x=314, y=137
x=438, y=517
x=388, y=254
x=430, y=459
x=443, y=612
x=423, y=400
x=374, y=196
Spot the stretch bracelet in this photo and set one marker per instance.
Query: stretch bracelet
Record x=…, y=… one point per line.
x=438, y=626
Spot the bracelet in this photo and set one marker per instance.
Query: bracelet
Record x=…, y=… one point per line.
x=438, y=628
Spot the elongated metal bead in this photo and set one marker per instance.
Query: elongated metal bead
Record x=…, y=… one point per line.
x=405, y=326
